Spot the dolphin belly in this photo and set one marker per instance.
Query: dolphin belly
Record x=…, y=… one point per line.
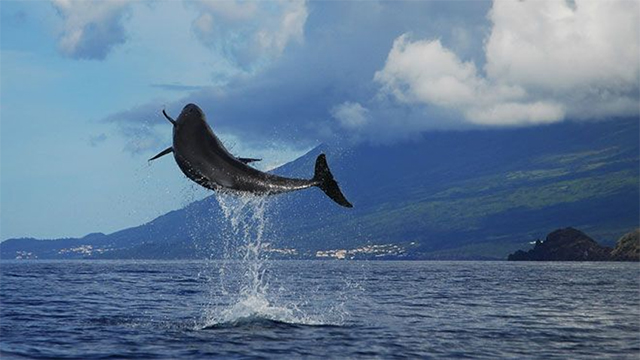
x=274, y=185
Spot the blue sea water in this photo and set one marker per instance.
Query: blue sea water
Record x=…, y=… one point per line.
x=246, y=306
x=318, y=309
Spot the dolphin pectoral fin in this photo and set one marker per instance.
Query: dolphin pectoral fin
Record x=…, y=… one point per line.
x=248, y=160
x=163, y=153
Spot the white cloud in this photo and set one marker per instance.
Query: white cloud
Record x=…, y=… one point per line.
x=245, y=33
x=350, y=115
x=426, y=71
x=91, y=28
x=250, y=32
x=514, y=113
x=546, y=60
x=550, y=45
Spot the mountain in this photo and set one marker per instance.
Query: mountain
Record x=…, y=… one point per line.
x=478, y=194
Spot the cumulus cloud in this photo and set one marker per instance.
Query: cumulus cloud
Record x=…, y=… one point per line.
x=91, y=29
x=424, y=71
x=545, y=60
x=552, y=45
x=587, y=54
x=350, y=115
x=245, y=34
x=250, y=32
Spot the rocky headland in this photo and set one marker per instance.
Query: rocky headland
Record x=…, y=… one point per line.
x=570, y=244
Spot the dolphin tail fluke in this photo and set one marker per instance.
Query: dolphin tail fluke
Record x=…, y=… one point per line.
x=327, y=183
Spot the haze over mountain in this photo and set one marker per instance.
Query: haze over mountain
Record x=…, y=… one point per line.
x=446, y=195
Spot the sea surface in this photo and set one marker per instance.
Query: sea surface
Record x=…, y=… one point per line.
x=318, y=309
x=248, y=306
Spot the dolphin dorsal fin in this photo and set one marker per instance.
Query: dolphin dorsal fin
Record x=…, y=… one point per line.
x=248, y=160
x=163, y=153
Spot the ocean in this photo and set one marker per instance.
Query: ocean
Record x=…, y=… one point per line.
x=318, y=309
x=248, y=306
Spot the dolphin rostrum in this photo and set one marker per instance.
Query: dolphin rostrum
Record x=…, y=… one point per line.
x=203, y=159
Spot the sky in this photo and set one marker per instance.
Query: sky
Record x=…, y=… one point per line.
x=83, y=84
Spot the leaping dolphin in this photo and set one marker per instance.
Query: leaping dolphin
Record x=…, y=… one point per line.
x=203, y=159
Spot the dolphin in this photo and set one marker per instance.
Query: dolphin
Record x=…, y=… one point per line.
x=202, y=158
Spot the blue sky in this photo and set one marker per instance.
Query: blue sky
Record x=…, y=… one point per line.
x=83, y=85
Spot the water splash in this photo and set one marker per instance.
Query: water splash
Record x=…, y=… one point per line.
x=243, y=231
x=241, y=293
